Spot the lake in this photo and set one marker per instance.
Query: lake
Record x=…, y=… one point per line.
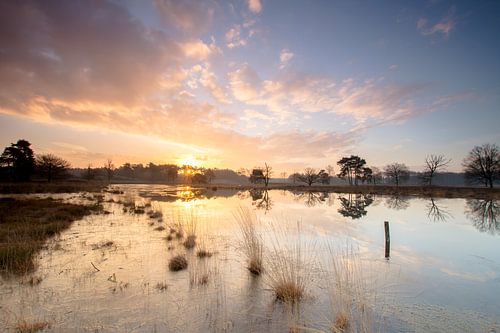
x=110, y=272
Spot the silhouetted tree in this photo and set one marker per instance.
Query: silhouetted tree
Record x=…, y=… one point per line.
x=351, y=168
x=268, y=172
x=311, y=176
x=109, y=167
x=90, y=173
x=377, y=175
x=366, y=175
x=18, y=160
x=433, y=164
x=51, y=166
x=257, y=176
x=482, y=165
x=397, y=173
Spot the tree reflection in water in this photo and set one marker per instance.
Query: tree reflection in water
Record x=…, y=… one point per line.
x=353, y=205
x=312, y=199
x=261, y=199
x=436, y=213
x=483, y=214
x=397, y=202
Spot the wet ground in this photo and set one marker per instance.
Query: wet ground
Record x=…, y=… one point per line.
x=109, y=272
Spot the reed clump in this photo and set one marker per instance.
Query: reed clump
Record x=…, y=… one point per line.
x=178, y=263
x=189, y=223
x=349, y=294
x=252, y=241
x=288, y=270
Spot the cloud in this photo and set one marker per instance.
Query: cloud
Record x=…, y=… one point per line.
x=245, y=83
x=255, y=6
x=294, y=94
x=445, y=26
x=81, y=51
x=285, y=58
x=198, y=50
x=234, y=38
x=190, y=16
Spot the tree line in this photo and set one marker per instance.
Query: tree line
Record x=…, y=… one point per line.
x=18, y=162
x=481, y=166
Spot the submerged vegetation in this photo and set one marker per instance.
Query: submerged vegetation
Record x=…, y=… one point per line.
x=27, y=224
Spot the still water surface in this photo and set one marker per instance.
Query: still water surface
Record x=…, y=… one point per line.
x=443, y=273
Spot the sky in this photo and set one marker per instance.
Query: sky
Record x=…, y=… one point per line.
x=239, y=83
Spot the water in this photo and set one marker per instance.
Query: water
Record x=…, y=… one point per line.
x=443, y=274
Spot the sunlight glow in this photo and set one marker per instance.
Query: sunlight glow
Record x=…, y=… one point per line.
x=190, y=160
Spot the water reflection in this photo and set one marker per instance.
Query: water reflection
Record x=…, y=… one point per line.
x=261, y=199
x=397, y=202
x=483, y=214
x=353, y=205
x=312, y=199
x=437, y=213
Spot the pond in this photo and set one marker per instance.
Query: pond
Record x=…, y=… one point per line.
x=110, y=272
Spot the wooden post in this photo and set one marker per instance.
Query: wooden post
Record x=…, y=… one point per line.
x=387, y=240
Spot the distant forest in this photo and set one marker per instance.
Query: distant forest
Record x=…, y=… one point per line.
x=19, y=163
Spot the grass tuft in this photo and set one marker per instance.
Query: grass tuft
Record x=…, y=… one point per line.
x=24, y=326
x=177, y=263
x=252, y=241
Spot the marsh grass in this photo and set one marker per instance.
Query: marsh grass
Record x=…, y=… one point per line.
x=178, y=263
x=189, y=223
x=289, y=264
x=26, y=226
x=55, y=187
x=350, y=297
x=161, y=286
x=252, y=246
x=24, y=326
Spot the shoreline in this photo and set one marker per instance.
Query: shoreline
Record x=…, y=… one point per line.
x=403, y=190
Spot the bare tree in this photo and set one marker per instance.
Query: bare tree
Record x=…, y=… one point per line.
x=433, y=164
x=51, y=166
x=309, y=176
x=268, y=172
x=109, y=167
x=482, y=165
x=283, y=175
x=397, y=172
x=90, y=173
x=376, y=175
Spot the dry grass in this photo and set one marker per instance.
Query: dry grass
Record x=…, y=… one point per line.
x=177, y=263
x=252, y=241
x=161, y=286
x=24, y=326
x=288, y=271
x=190, y=242
x=27, y=224
x=56, y=187
x=349, y=295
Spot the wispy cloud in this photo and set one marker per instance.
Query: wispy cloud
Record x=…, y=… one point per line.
x=445, y=26
x=285, y=58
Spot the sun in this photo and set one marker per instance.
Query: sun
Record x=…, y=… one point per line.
x=190, y=160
